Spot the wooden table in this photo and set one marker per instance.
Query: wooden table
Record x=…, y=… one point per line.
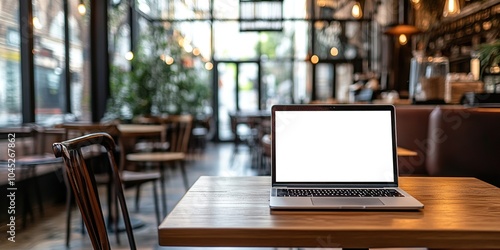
x=138, y=130
x=405, y=152
x=234, y=211
x=130, y=133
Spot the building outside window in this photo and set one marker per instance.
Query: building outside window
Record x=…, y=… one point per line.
x=51, y=105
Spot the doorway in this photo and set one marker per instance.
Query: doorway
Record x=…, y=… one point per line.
x=238, y=89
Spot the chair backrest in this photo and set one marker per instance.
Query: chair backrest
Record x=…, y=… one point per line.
x=78, y=129
x=147, y=120
x=74, y=130
x=24, y=141
x=178, y=131
x=44, y=137
x=83, y=183
x=31, y=138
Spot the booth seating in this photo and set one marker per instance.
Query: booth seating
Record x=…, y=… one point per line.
x=450, y=141
x=465, y=142
x=412, y=129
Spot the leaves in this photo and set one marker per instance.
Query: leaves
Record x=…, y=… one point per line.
x=489, y=55
x=152, y=86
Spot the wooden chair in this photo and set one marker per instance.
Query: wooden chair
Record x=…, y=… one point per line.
x=83, y=183
x=129, y=178
x=178, y=136
x=145, y=144
x=247, y=130
x=34, y=139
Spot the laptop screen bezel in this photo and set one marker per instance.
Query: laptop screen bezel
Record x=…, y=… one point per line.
x=339, y=107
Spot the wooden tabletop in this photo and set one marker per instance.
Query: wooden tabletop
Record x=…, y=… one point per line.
x=140, y=129
x=405, y=152
x=234, y=211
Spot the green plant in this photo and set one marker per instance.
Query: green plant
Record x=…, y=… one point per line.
x=159, y=80
x=489, y=55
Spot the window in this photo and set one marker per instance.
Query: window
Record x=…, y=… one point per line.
x=59, y=96
x=10, y=85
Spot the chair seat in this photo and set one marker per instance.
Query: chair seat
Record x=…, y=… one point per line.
x=37, y=160
x=152, y=146
x=156, y=156
x=130, y=176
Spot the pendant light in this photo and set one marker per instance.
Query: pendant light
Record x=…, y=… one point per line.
x=451, y=8
x=357, y=11
x=402, y=30
x=81, y=8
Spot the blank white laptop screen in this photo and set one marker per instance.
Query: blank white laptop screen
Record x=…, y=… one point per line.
x=334, y=146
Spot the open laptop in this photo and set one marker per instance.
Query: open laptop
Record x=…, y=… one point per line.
x=336, y=157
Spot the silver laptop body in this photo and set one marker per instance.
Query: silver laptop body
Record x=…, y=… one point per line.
x=348, y=148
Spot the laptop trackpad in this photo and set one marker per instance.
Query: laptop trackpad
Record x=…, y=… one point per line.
x=346, y=201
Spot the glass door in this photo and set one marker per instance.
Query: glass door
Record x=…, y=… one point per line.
x=238, y=89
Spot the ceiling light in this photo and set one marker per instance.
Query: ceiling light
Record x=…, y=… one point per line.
x=129, y=55
x=402, y=29
x=451, y=8
x=314, y=59
x=403, y=39
x=81, y=8
x=356, y=11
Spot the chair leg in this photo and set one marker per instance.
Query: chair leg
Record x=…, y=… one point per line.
x=27, y=206
x=109, y=193
x=37, y=190
x=116, y=213
x=82, y=226
x=163, y=188
x=184, y=175
x=137, y=197
x=69, y=198
x=157, y=211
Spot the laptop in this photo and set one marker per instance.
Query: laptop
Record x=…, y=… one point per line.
x=336, y=157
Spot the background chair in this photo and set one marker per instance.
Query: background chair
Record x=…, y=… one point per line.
x=147, y=143
x=83, y=183
x=94, y=158
x=178, y=135
x=29, y=155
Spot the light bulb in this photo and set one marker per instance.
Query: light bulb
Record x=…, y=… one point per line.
x=129, y=55
x=82, y=9
x=334, y=51
x=169, y=60
x=451, y=8
x=356, y=11
x=209, y=66
x=36, y=23
x=403, y=39
x=314, y=59
x=196, y=52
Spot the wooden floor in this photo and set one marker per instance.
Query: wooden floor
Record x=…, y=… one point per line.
x=48, y=232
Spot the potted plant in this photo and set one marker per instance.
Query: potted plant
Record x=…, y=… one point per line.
x=489, y=56
x=159, y=80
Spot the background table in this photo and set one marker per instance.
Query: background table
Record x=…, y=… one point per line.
x=234, y=211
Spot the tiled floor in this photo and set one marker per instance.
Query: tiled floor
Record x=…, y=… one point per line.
x=48, y=232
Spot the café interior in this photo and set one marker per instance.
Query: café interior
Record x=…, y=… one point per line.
x=216, y=67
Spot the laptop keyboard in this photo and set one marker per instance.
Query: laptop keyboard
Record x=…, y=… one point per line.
x=348, y=192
